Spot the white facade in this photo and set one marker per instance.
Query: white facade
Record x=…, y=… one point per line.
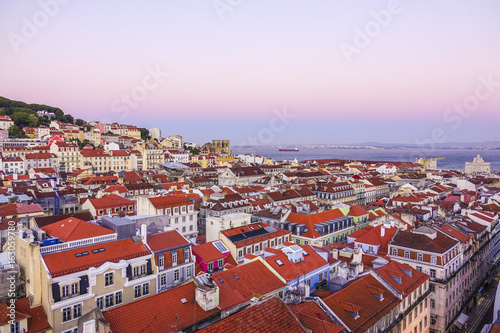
x=155, y=133
x=477, y=166
x=217, y=224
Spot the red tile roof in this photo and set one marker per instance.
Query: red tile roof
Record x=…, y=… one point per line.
x=71, y=229
x=169, y=201
x=20, y=209
x=37, y=322
x=253, y=278
x=312, y=219
x=208, y=252
x=289, y=270
x=403, y=283
x=357, y=296
x=65, y=262
x=314, y=318
x=166, y=240
x=114, y=188
x=271, y=315
x=111, y=201
x=149, y=314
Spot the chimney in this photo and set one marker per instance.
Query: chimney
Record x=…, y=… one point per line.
x=207, y=294
x=144, y=233
x=382, y=231
x=335, y=254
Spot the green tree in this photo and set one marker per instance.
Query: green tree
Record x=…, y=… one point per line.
x=79, y=122
x=16, y=132
x=24, y=118
x=145, y=134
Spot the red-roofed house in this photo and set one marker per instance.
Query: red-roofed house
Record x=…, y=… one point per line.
x=111, y=204
x=179, y=209
x=25, y=317
x=173, y=257
x=300, y=263
x=320, y=229
x=365, y=303
x=211, y=256
x=71, y=229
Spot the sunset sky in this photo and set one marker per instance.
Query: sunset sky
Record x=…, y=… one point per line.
x=224, y=68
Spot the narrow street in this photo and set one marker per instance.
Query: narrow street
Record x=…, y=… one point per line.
x=483, y=311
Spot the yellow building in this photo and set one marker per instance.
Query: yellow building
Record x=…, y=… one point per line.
x=152, y=155
x=73, y=283
x=67, y=156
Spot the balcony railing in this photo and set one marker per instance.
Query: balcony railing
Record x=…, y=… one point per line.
x=77, y=243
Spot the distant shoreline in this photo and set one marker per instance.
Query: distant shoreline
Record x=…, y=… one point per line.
x=363, y=147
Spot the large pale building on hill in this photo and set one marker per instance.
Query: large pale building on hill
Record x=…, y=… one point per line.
x=477, y=166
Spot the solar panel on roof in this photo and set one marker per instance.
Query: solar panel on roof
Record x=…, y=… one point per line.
x=247, y=235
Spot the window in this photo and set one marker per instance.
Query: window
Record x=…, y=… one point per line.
x=136, y=271
x=240, y=253
x=118, y=297
x=407, y=254
x=15, y=327
x=145, y=289
x=188, y=272
x=394, y=252
x=183, y=228
x=110, y=300
x=77, y=311
x=161, y=260
x=433, y=273
x=108, y=279
x=143, y=269
x=74, y=289
x=163, y=280
x=137, y=291
x=174, y=258
x=66, y=314
x=220, y=264
x=176, y=210
x=176, y=275
x=99, y=302
x=420, y=257
x=65, y=291
x=176, y=220
x=434, y=260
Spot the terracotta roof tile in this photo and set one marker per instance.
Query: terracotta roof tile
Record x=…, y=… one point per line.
x=270, y=315
x=71, y=229
x=66, y=262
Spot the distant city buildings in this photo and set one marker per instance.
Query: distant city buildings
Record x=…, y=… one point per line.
x=116, y=233
x=477, y=166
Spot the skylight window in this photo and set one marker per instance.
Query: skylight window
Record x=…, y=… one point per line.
x=81, y=254
x=279, y=262
x=236, y=277
x=221, y=281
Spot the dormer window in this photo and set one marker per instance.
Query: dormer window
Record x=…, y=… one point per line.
x=377, y=292
x=351, y=309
